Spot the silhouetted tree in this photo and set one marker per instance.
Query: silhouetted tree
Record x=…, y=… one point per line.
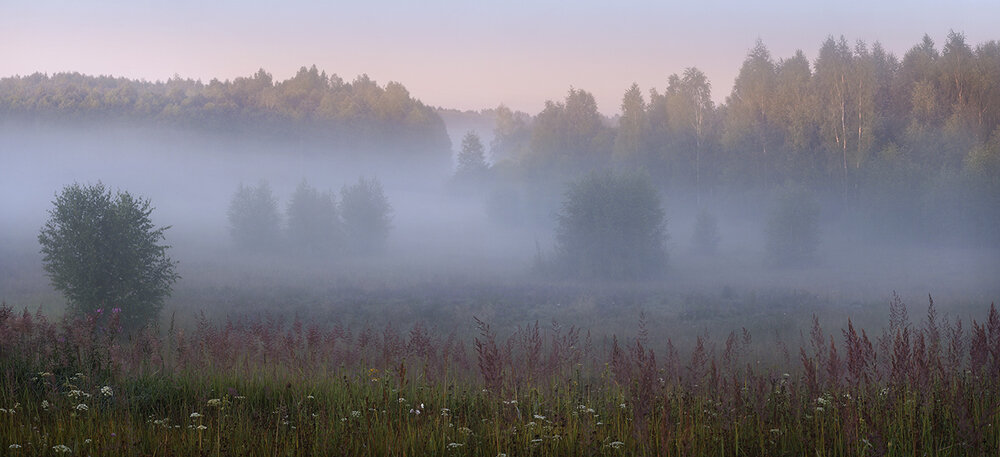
x=313, y=222
x=254, y=222
x=472, y=157
x=367, y=215
x=611, y=226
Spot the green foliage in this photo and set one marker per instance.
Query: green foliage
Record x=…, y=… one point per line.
x=313, y=222
x=793, y=233
x=706, y=233
x=611, y=227
x=101, y=250
x=570, y=136
x=311, y=104
x=367, y=215
x=254, y=222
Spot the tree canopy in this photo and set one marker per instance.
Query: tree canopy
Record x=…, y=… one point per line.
x=311, y=105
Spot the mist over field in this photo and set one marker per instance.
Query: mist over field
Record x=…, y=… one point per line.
x=474, y=229
x=442, y=236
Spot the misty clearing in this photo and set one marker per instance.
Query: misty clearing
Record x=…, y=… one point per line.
x=317, y=266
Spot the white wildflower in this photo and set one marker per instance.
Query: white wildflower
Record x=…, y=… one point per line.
x=622, y=406
x=465, y=430
x=45, y=404
x=539, y=417
x=82, y=407
x=616, y=444
x=356, y=414
x=14, y=446
x=88, y=441
x=402, y=400
x=214, y=402
x=61, y=448
x=195, y=415
x=106, y=391
x=310, y=397
x=201, y=427
x=445, y=411
x=455, y=445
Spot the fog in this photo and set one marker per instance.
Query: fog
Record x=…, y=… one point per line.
x=440, y=238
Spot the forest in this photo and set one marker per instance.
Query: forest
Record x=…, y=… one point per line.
x=321, y=267
x=912, y=139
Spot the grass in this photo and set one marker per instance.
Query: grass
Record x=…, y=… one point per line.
x=263, y=387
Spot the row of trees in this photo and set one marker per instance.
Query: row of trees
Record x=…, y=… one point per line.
x=316, y=223
x=915, y=139
x=785, y=119
x=310, y=104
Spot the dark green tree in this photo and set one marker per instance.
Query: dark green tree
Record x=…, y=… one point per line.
x=254, y=221
x=611, y=227
x=367, y=215
x=102, y=251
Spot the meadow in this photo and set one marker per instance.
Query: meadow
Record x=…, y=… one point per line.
x=270, y=384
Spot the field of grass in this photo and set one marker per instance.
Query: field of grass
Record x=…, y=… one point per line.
x=265, y=387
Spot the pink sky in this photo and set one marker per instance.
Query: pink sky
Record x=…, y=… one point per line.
x=466, y=55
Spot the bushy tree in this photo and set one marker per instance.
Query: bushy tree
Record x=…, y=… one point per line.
x=366, y=214
x=102, y=251
x=253, y=218
x=793, y=229
x=611, y=227
x=313, y=222
x=706, y=233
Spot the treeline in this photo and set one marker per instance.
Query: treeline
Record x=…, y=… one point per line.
x=310, y=105
x=913, y=139
x=316, y=224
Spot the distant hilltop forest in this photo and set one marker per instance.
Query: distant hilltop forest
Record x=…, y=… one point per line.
x=311, y=105
x=857, y=121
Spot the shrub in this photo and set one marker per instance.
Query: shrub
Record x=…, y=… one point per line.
x=101, y=250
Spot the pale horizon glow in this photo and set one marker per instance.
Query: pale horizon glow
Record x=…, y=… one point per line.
x=463, y=55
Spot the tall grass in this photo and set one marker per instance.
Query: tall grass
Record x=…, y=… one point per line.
x=78, y=386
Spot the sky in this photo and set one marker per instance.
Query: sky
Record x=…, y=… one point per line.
x=461, y=54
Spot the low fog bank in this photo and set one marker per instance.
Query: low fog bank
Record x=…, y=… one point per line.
x=443, y=237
